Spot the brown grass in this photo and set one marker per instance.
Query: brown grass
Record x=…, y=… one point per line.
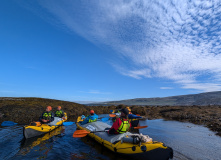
x=25, y=110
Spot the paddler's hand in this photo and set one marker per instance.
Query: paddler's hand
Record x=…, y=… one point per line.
x=44, y=120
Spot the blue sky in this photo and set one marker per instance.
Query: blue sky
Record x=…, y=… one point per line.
x=104, y=50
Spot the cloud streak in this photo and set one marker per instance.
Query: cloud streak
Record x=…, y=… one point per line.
x=167, y=39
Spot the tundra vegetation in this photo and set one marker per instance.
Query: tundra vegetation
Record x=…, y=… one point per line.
x=26, y=110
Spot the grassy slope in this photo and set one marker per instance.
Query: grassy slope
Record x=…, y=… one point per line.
x=25, y=110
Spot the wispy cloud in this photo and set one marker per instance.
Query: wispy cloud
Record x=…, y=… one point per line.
x=159, y=39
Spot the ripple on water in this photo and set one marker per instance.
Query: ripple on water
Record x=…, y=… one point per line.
x=188, y=141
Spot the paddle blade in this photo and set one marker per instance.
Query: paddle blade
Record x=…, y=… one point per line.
x=105, y=119
x=78, y=132
x=68, y=123
x=140, y=127
x=112, y=115
x=79, y=135
x=8, y=123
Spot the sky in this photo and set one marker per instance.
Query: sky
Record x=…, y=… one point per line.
x=109, y=50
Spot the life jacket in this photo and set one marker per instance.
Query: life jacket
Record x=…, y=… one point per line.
x=47, y=115
x=124, y=127
x=59, y=113
x=92, y=118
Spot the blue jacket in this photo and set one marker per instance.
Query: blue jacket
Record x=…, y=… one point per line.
x=89, y=118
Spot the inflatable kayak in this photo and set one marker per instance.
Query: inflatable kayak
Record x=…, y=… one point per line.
x=30, y=131
x=135, y=146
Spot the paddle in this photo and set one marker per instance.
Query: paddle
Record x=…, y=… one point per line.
x=83, y=133
x=8, y=123
x=112, y=115
x=105, y=119
x=140, y=127
x=68, y=123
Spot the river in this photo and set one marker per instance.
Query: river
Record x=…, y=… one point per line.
x=189, y=142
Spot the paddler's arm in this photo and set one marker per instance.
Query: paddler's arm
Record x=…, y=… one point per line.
x=85, y=121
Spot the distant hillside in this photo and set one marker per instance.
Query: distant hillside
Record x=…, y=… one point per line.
x=25, y=110
x=202, y=99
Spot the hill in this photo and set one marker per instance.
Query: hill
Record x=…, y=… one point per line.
x=25, y=110
x=202, y=99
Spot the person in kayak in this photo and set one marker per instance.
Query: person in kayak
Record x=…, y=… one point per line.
x=47, y=116
x=122, y=124
x=60, y=113
x=91, y=118
x=128, y=108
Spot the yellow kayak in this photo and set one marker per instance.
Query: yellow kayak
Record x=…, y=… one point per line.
x=135, y=146
x=33, y=131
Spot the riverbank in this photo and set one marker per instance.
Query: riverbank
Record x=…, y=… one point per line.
x=210, y=116
x=26, y=110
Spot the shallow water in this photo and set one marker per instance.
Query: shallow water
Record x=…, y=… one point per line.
x=188, y=141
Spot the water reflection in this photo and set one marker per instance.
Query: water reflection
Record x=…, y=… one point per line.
x=44, y=142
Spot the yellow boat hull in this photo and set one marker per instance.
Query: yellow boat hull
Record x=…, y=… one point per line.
x=33, y=131
x=149, y=150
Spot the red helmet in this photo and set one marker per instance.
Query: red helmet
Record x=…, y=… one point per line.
x=49, y=108
x=59, y=107
x=91, y=111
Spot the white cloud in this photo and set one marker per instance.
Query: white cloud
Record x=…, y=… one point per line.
x=163, y=39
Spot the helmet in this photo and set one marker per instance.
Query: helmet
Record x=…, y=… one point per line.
x=125, y=111
x=91, y=111
x=128, y=108
x=59, y=107
x=49, y=108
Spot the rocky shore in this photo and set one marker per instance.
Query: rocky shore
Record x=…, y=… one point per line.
x=26, y=110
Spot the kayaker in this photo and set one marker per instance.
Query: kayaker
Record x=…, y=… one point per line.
x=59, y=113
x=122, y=124
x=47, y=116
x=128, y=108
x=91, y=118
